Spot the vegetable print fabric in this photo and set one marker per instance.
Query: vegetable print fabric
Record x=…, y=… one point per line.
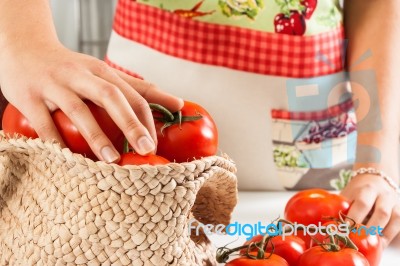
x=270, y=72
x=296, y=17
x=309, y=144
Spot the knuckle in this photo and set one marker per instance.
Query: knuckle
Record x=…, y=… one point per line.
x=132, y=126
x=363, y=203
x=97, y=138
x=44, y=128
x=100, y=67
x=75, y=108
x=65, y=66
x=140, y=104
x=108, y=91
x=69, y=65
x=396, y=213
x=149, y=88
x=383, y=213
x=62, y=68
x=31, y=94
x=368, y=187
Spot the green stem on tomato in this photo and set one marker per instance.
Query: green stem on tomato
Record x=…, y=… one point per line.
x=334, y=246
x=126, y=146
x=180, y=119
x=347, y=241
x=224, y=252
x=169, y=118
x=262, y=247
x=159, y=108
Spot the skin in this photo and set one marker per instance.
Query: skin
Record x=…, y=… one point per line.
x=374, y=25
x=39, y=75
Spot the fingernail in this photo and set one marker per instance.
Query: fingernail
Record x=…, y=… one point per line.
x=145, y=145
x=109, y=154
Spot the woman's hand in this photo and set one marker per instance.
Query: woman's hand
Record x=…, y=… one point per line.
x=39, y=75
x=42, y=79
x=375, y=203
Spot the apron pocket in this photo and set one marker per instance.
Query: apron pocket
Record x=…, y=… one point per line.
x=310, y=148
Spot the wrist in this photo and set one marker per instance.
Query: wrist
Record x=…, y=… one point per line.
x=379, y=173
x=25, y=25
x=391, y=170
x=378, y=150
x=15, y=43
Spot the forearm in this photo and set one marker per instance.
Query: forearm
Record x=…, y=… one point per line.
x=25, y=23
x=374, y=25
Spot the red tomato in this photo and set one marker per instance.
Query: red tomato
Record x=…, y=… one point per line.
x=137, y=159
x=191, y=139
x=290, y=249
x=370, y=245
x=312, y=205
x=75, y=141
x=308, y=241
x=15, y=122
x=317, y=256
x=273, y=260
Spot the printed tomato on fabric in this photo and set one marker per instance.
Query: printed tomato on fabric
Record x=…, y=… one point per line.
x=291, y=17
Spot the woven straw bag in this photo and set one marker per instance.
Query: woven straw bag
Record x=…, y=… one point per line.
x=59, y=208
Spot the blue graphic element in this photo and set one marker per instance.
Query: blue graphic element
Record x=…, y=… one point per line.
x=317, y=101
x=315, y=94
x=362, y=58
x=368, y=154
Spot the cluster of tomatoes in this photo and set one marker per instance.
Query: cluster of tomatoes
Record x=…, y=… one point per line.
x=183, y=136
x=311, y=207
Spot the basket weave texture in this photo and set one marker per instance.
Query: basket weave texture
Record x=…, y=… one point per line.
x=59, y=208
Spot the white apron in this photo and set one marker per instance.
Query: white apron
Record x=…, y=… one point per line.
x=279, y=99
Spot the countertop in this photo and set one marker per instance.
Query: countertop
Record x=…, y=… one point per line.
x=264, y=207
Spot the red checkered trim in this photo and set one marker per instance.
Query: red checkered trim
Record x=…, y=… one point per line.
x=228, y=46
x=331, y=112
x=113, y=65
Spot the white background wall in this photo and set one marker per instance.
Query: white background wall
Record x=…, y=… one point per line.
x=84, y=25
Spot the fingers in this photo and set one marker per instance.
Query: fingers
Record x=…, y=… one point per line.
x=382, y=211
x=131, y=98
x=79, y=77
x=151, y=93
x=79, y=114
x=41, y=121
x=111, y=98
x=122, y=96
x=392, y=229
x=118, y=107
x=142, y=110
x=362, y=204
